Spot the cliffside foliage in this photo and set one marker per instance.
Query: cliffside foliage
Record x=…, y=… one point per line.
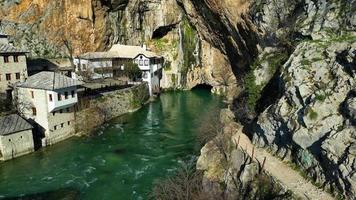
x=271, y=62
x=189, y=45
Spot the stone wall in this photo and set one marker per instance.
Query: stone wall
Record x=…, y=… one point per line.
x=96, y=110
x=12, y=68
x=16, y=144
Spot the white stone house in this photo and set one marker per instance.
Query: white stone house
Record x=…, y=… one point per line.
x=149, y=62
x=16, y=137
x=48, y=98
x=13, y=66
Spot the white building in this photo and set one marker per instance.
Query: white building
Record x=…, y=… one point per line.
x=107, y=64
x=48, y=98
x=16, y=137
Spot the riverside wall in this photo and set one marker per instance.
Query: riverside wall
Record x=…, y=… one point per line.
x=93, y=111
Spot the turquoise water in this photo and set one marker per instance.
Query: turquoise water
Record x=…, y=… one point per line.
x=121, y=161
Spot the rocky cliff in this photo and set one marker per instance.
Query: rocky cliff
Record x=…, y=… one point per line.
x=288, y=66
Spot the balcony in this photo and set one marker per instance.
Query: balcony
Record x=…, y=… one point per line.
x=55, y=104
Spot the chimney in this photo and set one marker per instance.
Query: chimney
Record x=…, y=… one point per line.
x=144, y=47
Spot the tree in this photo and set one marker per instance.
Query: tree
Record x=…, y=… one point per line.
x=185, y=184
x=70, y=50
x=20, y=103
x=132, y=71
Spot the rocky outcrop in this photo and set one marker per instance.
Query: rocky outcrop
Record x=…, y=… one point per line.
x=230, y=172
x=312, y=123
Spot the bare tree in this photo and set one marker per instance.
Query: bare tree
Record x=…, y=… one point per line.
x=212, y=129
x=20, y=103
x=185, y=185
x=70, y=50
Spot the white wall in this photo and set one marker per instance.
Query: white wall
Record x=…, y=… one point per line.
x=45, y=117
x=55, y=104
x=90, y=65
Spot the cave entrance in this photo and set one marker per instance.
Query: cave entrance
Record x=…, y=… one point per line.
x=162, y=31
x=203, y=87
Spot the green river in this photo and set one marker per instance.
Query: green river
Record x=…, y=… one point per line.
x=121, y=161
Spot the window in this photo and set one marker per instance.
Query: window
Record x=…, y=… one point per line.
x=54, y=113
x=6, y=59
x=59, y=97
x=141, y=62
x=17, y=76
x=50, y=97
x=146, y=62
x=68, y=109
x=66, y=95
x=32, y=94
x=62, y=125
x=34, y=111
x=55, y=127
x=60, y=111
x=68, y=123
x=16, y=58
x=8, y=77
x=73, y=93
x=84, y=67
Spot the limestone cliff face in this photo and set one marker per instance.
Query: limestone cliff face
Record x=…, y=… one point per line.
x=289, y=66
x=43, y=26
x=57, y=28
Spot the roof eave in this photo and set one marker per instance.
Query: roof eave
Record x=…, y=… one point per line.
x=11, y=133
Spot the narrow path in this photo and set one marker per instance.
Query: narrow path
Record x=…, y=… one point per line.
x=288, y=177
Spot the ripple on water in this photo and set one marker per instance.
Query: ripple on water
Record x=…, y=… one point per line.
x=121, y=161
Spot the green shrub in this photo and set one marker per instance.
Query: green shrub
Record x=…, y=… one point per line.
x=320, y=97
x=253, y=90
x=312, y=114
x=132, y=70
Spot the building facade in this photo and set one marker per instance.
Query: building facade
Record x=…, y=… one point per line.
x=13, y=67
x=108, y=64
x=16, y=137
x=48, y=98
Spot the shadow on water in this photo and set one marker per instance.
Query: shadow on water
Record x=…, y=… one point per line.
x=61, y=194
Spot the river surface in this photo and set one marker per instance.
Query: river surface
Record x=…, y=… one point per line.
x=121, y=161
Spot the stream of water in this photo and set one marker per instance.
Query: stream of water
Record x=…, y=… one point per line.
x=121, y=161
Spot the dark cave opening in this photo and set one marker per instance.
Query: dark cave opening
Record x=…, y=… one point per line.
x=203, y=87
x=162, y=31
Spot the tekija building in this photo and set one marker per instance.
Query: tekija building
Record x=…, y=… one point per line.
x=13, y=67
x=48, y=99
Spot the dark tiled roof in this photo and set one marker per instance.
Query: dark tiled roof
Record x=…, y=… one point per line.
x=13, y=124
x=7, y=48
x=49, y=81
